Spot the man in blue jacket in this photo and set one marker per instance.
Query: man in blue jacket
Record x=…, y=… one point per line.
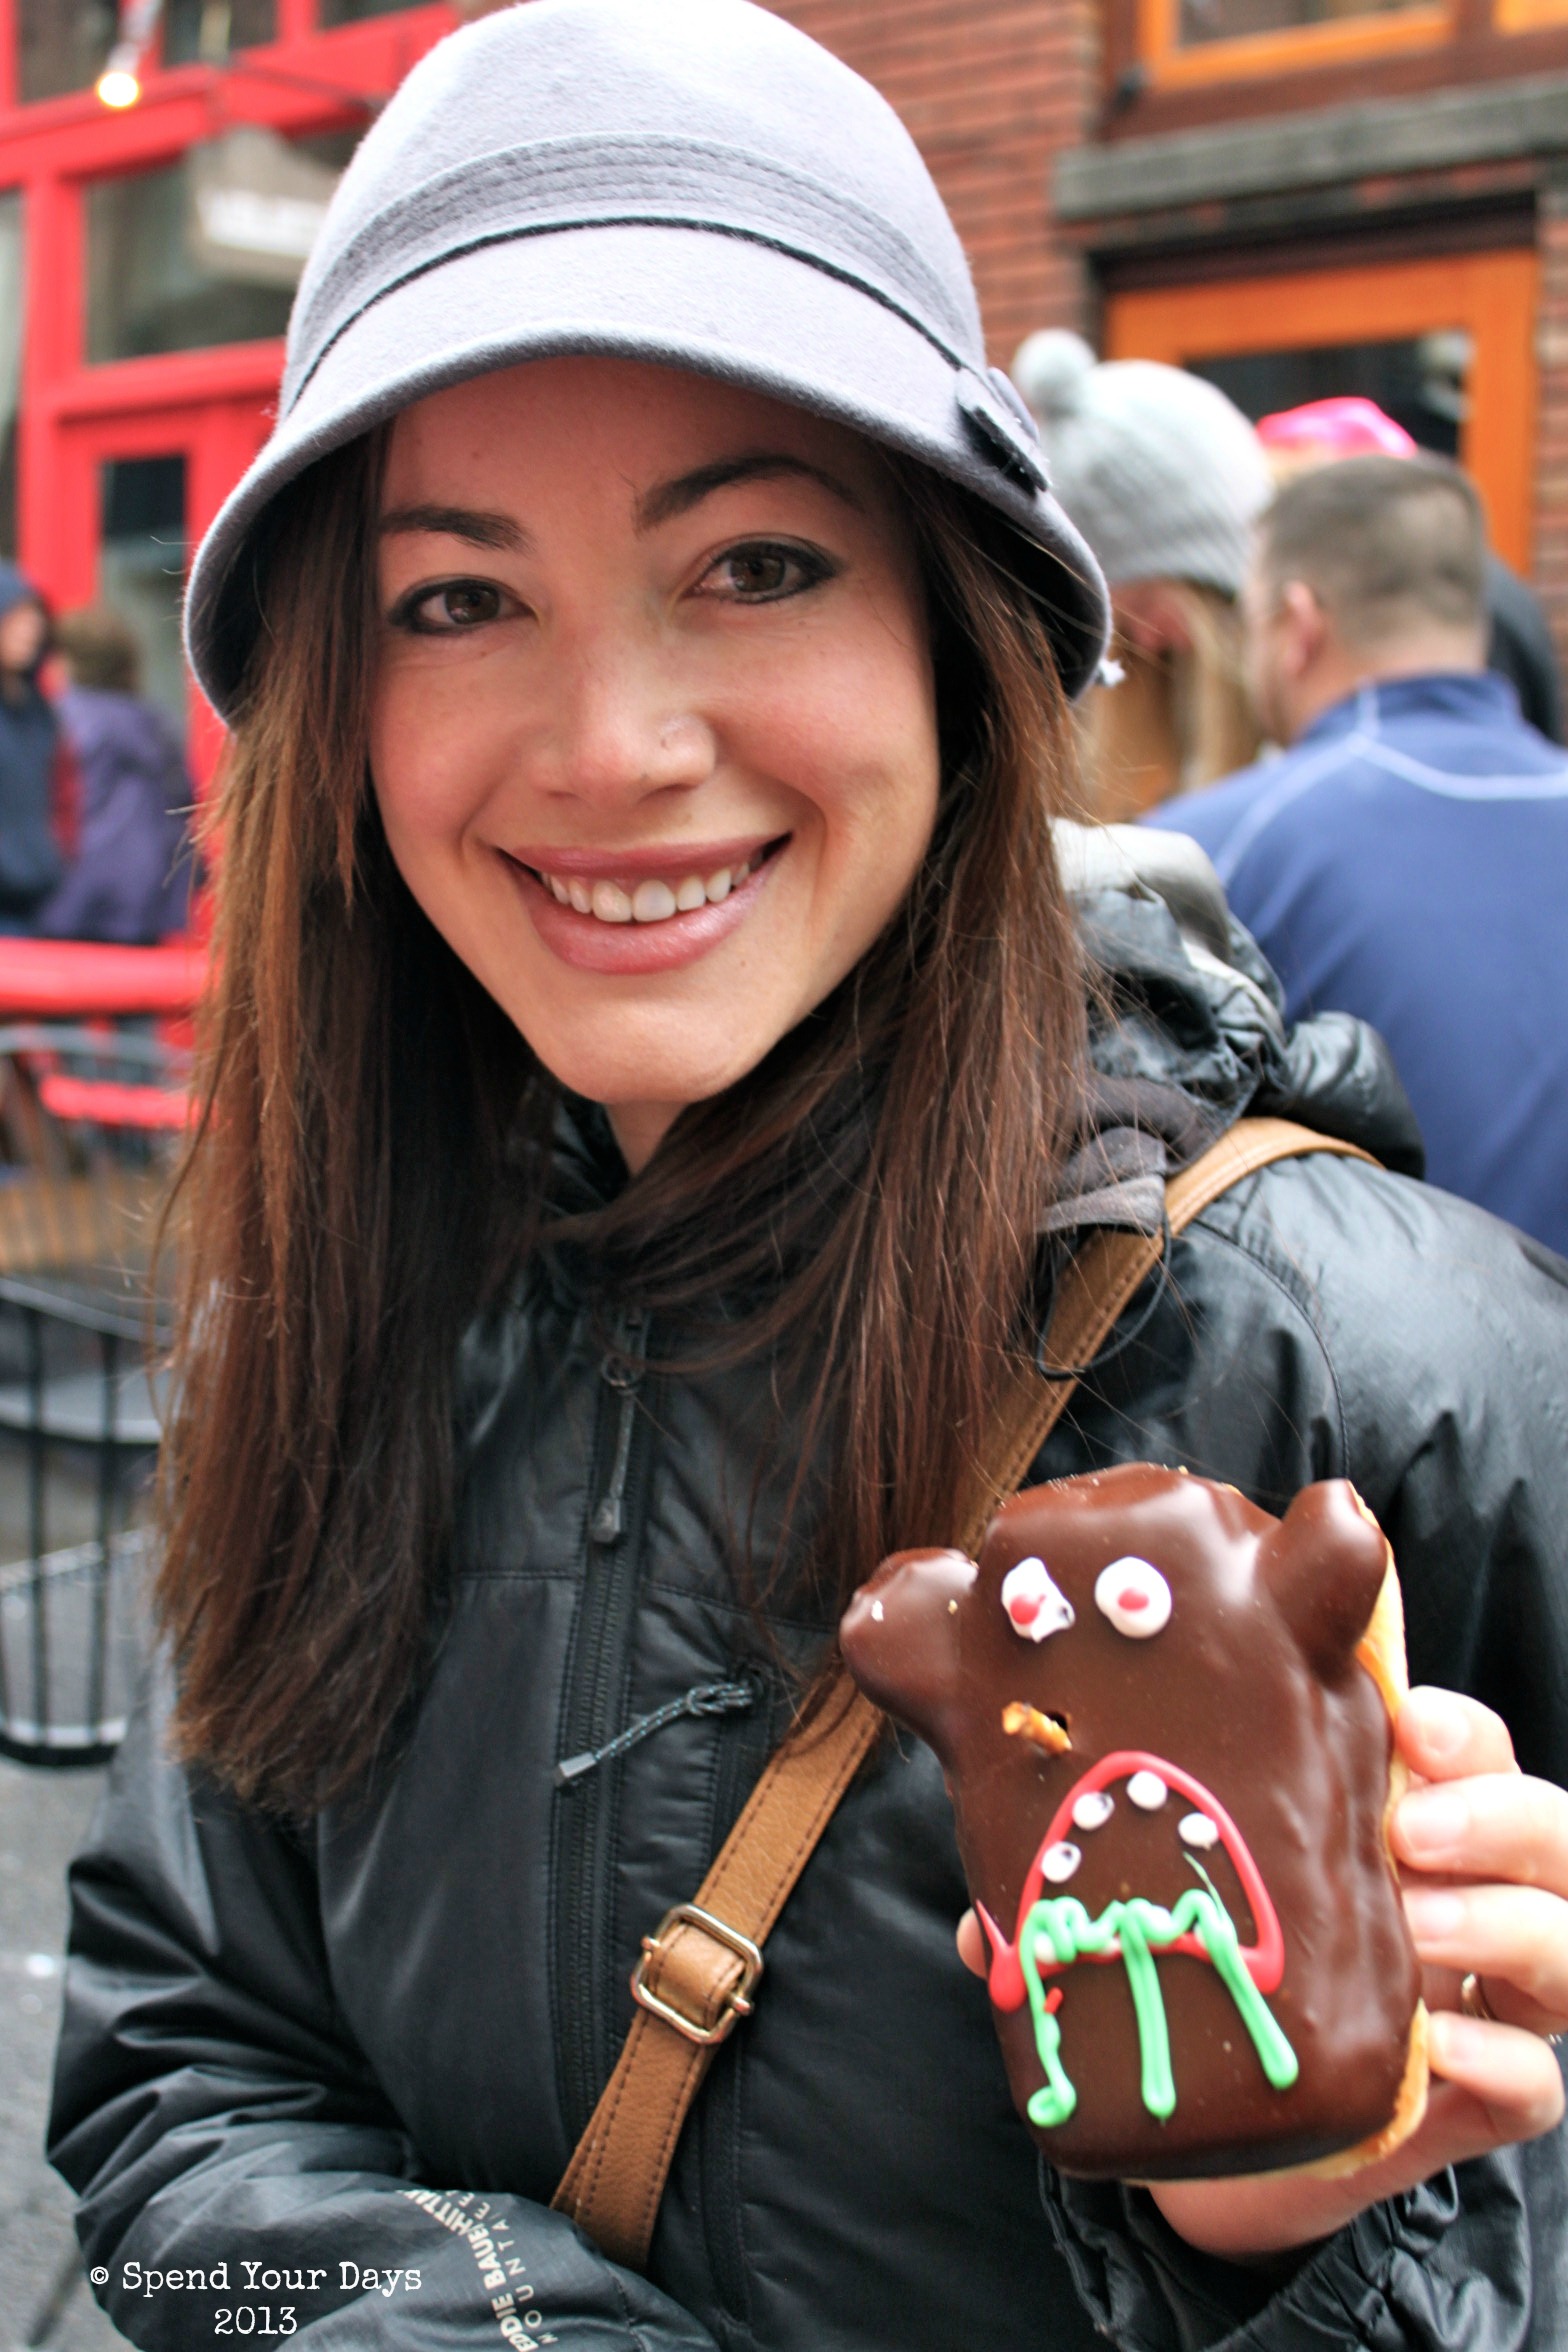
x=1405, y=858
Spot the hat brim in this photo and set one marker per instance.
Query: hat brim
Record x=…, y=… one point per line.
x=722, y=305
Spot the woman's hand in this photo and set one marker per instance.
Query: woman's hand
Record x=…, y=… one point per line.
x=1485, y=1855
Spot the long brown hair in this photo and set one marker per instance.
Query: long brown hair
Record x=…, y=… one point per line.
x=373, y=1154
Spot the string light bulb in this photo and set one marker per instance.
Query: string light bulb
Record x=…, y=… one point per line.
x=118, y=85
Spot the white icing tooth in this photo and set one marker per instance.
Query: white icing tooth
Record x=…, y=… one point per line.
x=1196, y=1829
x=1147, y=1791
x=719, y=886
x=692, y=894
x=581, y=897
x=1093, y=1809
x=652, y=902
x=1058, y=1862
x=610, y=903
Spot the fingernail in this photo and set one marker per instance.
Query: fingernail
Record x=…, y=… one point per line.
x=1432, y=1822
x=1442, y=1721
x=1433, y=1914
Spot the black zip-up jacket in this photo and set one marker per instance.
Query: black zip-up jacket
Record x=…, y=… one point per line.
x=348, y=2066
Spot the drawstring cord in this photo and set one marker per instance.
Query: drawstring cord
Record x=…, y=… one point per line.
x=706, y=1698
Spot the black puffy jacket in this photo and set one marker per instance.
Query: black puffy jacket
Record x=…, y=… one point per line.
x=350, y=2065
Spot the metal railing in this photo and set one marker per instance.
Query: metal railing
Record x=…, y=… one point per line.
x=90, y=1124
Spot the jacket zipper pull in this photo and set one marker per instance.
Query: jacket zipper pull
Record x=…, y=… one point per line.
x=625, y=1376
x=706, y=1698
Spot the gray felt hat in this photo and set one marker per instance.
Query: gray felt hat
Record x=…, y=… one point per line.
x=686, y=181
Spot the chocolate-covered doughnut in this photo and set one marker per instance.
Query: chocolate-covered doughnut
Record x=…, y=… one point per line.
x=1166, y=1722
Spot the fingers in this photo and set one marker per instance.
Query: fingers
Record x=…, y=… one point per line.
x=1444, y=1736
x=1513, y=2081
x=971, y=1944
x=1492, y=1825
x=1515, y=1937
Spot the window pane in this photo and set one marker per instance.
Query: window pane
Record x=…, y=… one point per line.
x=336, y=12
x=141, y=567
x=1420, y=382
x=1230, y=20
x=11, y=308
x=209, y=29
x=206, y=250
x=62, y=44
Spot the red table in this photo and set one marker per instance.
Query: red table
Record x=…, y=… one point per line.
x=71, y=980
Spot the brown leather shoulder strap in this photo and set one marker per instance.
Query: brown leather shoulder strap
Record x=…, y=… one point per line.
x=701, y=1965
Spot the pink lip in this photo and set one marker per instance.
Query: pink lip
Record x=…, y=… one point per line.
x=661, y=861
x=631, y=949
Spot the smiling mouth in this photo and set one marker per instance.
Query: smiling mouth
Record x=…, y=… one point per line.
x=651, y=898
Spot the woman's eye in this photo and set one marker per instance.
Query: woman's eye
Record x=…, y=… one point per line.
x=763, y=572
x=454, y=606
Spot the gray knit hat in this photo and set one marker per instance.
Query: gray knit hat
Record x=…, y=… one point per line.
x=686, y=181
x=1162, y=474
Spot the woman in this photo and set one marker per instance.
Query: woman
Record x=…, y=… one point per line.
x=31, y=862
x=1166, y=479
x=650, y=1048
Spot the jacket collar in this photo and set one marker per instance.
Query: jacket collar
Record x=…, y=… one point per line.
x=1472, y=698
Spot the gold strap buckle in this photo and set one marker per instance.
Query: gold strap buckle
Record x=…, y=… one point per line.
x=737, y=2001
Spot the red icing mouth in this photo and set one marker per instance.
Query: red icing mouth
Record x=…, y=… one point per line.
x=1264, y=1961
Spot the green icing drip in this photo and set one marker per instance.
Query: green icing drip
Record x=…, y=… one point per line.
x=1142, y=1928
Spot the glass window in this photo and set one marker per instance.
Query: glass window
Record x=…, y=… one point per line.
x=62, y=44
x=141, y=567
x=1230, y=20
x=206, y=250
x=1421, y=381
x=11, y=292
x=336, y=12
x=209, y=29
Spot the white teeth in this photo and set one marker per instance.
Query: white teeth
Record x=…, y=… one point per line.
x=1147, y=1791
x=1093, y=1810
x=1058, y=1862
x=653, y=902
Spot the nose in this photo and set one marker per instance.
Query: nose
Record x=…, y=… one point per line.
x=620, y=727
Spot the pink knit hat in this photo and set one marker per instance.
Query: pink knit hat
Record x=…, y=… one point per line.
x=1347, y=427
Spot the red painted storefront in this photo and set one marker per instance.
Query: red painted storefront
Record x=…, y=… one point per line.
x=86, y=428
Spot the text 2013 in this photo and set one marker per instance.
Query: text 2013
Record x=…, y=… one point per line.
x=254, y=2319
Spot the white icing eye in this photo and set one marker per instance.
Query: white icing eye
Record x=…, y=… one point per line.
x=1058, y=1862
x=1147, y=1791
x=1135, y=1597
x=1093, y=1809
x=1034, y=1602
x=1196, y=1829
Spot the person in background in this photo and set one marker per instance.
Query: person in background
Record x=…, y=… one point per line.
x=1519, y=645
x=1165, y=478
x=31, y=860
x=1404, y=858
x=130, y=881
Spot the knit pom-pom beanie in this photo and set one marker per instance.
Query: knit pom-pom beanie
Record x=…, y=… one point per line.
x=1162, y=474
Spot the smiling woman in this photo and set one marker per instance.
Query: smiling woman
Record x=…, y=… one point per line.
x=693, y=681
x=656, y=1087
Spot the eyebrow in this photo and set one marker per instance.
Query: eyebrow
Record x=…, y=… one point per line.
x=480, y=527
x=669, y=499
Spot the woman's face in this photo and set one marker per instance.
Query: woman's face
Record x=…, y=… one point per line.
x=654, y=734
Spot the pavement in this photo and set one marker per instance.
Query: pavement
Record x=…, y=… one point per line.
x=45, y=2303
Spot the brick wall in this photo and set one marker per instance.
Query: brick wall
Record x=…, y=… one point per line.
x=991, y=90
x=1551, y=476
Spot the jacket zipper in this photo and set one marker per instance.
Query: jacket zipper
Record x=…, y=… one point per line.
x=594, y=1709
